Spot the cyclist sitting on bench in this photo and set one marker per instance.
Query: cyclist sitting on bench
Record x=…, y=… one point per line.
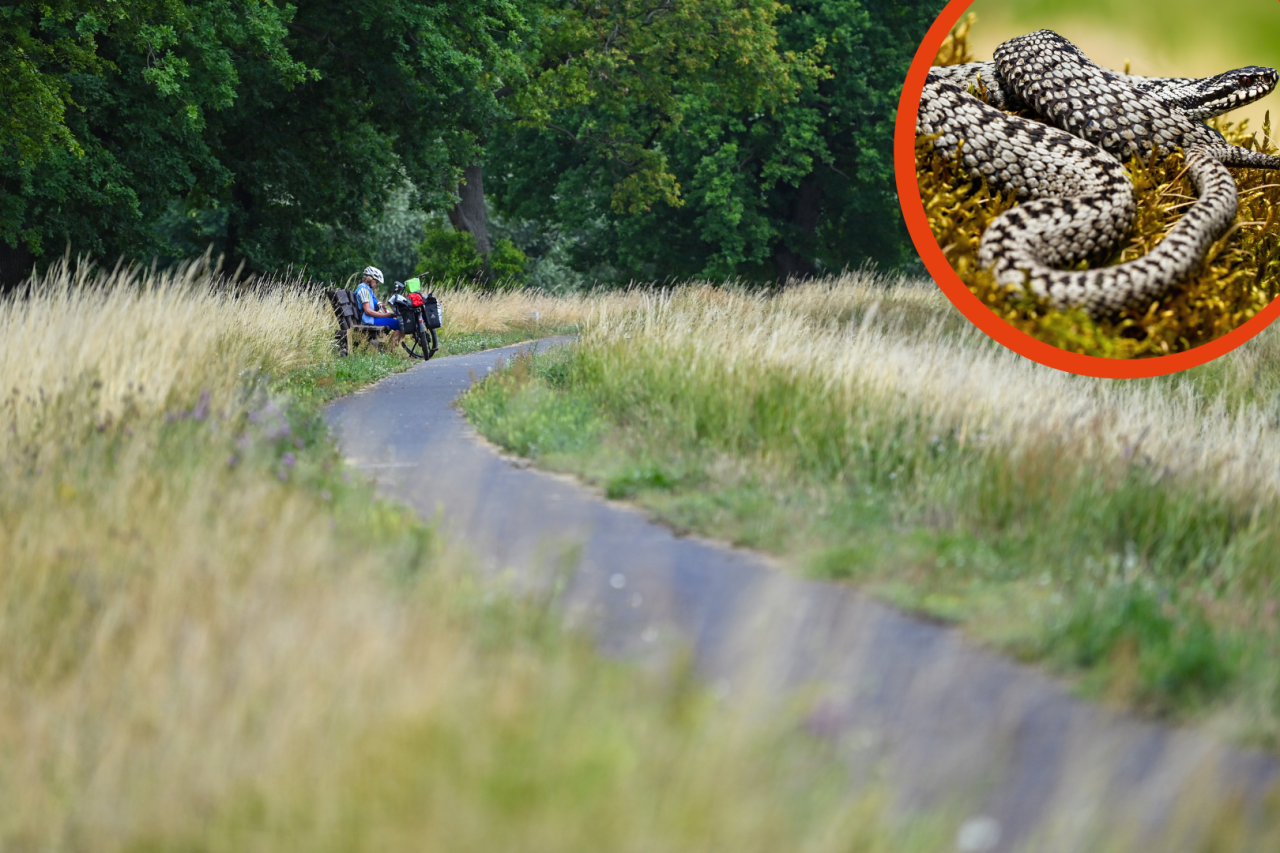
x=373, y=315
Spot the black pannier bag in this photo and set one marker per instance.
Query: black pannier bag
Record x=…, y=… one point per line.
x=435, y=314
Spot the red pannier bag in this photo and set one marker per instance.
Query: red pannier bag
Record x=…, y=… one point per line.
x=416, y=299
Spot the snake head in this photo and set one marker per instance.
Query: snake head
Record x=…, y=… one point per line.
x=1213, y=96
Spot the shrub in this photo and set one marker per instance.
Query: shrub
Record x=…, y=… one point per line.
x=450, y=255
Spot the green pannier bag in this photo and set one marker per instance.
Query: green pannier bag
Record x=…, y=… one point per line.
x=413, y=285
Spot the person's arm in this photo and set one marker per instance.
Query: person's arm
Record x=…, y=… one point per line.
x=368, y=309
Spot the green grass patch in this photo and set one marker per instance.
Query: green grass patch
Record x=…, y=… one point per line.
x=335, y=377
x=461, y=343
x=1150, y=589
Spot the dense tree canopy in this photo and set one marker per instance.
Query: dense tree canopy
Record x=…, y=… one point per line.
x=110, y=120
x=781, y=186
x=276, y=131
x=673, y=137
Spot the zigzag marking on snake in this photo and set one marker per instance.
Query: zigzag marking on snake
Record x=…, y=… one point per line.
x=1076, y=200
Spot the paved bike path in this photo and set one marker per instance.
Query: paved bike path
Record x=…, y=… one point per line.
x=904, y=699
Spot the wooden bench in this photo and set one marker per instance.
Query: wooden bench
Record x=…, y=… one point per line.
x=350, y=327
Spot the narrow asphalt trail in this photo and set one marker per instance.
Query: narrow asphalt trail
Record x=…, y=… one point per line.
x=905, y=700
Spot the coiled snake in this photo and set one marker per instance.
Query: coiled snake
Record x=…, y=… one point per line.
x=1076, y=202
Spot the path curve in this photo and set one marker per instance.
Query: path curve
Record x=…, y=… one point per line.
x=905, y=699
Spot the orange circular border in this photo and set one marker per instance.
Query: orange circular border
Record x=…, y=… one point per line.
x=904, y=167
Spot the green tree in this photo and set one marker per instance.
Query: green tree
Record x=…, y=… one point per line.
x=614, y=79
x=287, y=127
x=765, y=193
x=405, y=91
x=658, y=137
x=449, y=255
x=106, y=105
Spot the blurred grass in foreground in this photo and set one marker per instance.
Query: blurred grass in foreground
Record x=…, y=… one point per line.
x=1123, y=532
x=213, y=638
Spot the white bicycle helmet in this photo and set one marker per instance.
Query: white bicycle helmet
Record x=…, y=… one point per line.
x=375, y=272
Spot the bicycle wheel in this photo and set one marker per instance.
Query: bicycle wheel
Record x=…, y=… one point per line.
x=421, y=346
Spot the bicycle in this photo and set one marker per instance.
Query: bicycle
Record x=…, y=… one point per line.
x=419, y=318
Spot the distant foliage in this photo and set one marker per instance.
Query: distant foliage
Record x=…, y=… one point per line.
x=760, y=182
x=449, y=255
x=289, y=127
x=506, y=261
x=641, y=139
x=398, y=235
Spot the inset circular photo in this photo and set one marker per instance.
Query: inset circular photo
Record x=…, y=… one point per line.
x=1097, y=185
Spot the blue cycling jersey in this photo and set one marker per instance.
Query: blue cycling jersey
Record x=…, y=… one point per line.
x=364, y=294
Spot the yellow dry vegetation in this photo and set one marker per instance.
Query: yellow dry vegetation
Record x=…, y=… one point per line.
x=899, y=347
x=210, y=640
x=471, y=309
x=140, y=342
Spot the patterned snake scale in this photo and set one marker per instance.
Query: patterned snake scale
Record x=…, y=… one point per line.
x=1076, y=202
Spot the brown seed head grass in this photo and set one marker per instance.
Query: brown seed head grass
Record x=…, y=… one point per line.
x=142, y=342
x=472, y=309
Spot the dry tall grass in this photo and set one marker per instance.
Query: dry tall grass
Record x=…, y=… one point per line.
x=140, y=341
x=210, y=641
x=903, y=343
x=860, y=427
x=469, y=309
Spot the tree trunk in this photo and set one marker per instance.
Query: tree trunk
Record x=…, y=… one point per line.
x=792, y=266
x=469, y=214
x=805, y=211
x=234, y=261
x=16, y=263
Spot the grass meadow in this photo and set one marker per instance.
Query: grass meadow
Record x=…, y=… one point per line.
x=1122, y=533
x=213, y=638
